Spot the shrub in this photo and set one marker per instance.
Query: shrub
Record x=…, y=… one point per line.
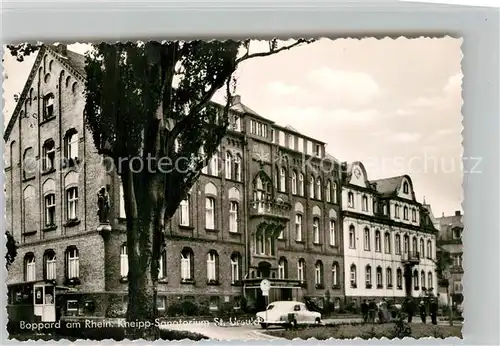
x=401, y=327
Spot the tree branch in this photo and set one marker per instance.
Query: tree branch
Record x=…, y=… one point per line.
x=271, y=52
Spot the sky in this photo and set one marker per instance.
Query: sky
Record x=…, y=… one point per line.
x=393, y=104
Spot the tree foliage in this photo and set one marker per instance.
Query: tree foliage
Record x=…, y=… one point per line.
x=443, y=262
x=11, y=254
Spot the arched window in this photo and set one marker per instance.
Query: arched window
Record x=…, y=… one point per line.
x=72, y=263
x=124, y=261
x=406, y=243
x=311, y=187
x=187, y=265
x=49, y=198
x=399, y=278
x=422, y=279
x=334, y=193
x=335, y=274
x=318, y=188
x=235, y=267
x=405, y=187
x=301, y=184
x=71, y=146
x=368, y=276
x=350, y=200
x=397, y=240
x=210, y=213
x=387, y=242
x=429, y=249
x=353, y=276
x=233, y=217
x=378, y=241
x=328, y=191
x=28, y=163
x=72, y=203
x=301, y=270
x=48, y=106
x=396, y=211
x=422, y=248
x=415, y=280
x=49, y=154
x=316, y=230
x=29, y=267
x=298, y=227
x=352, y=237
x=212, y=266
x=332, y=233
x=294, y=183
x=318, y=277
x=229, y=166
x=379, y=277
x=405, y=213
x=367, y=239
x=414, y=215
x=429, y=280
x=237, y=167
x=49, y=259
x=283, y=179
x=414, y=246
x=282, y=268
x=184, y=211
x=214, y=164
x=365, y=203
x=261, y=191
x=388, y=277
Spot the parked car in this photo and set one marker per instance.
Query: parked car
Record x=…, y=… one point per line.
x=287, y=313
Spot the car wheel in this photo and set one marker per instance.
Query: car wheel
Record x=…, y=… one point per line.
x=317, y=321
x=263, y=325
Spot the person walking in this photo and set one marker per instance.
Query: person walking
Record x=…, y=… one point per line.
x=423, y=311
x=372, y=310
x=364, y=310
x=409, y=308
x=433, y=310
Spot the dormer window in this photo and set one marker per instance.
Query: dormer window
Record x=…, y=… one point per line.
x=405, y=187
x=317, y=150
x=48, y=106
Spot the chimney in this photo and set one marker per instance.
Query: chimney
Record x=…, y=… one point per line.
x=235, y=100
x=443, y=214
x=62, y=49
x=457, y=213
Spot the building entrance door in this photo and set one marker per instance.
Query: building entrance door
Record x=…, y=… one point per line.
x=44, y=302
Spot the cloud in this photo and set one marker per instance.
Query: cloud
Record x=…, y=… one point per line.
x=404, y=137
x=347, y=116
x=405, y=112
x=352, y=87
x=454, y=84
x=280, y=88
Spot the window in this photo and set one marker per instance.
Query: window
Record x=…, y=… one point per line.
x=368, y=276
x=301, y=267
x=28, y=163
x=282, y=138
x=457, y=260
x=318, y=188
x=282, y=179
x=201, y=154
x=422, y=279
x=50, y=265
x=301, y=184
x=318, y=273
x=328, y=191
x=300, y=144
x=311, y=187
x=184, y=212
x=457, y=233
x=353, y=276
x=396, y=211
x=317, y=150
x=214, y=164
x=253, y=127
x=162, y=264
x=29, y=267
x=388, y=277
x=429, y=280
x=72, y=203
x=48, y=106
x=414, y=215
x=379, y=277
x=233, y=217
x=335, y=274
x=457, y=287
x=334, y=192
x=429, y=249
x=124, y=261
x=237, y=167
x=49, y=152
x=229, y=166
x=282, y=268
x=122, y=203
x=378, y=245
x=387, y=242
x=259, y=242
x=235, y=267
x=212, y=260
x=298, y=227
x=333, y=241
x=71, y=143
x=50, y=210
x=186, y=264
x=316, y=230
x=161, y=303
x=350, y=200
x=405, y=187
x=73, y=264
x=209, y=213
x=352, y=237
x=405, y=213
x=422, y=248
x=291, y=142
x=365, y=203
x=213, y=304
x=415, y=280
x=294, y=183
x=236, y=125
x=406, y=243
x=399, y=278
x=367, y=239
x=398, y=244
x=414, y=247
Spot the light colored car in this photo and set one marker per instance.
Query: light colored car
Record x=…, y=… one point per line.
x=287, y=313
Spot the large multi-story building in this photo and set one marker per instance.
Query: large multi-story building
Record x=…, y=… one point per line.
x=450, y=241
x=266, y=206
x=389, y=239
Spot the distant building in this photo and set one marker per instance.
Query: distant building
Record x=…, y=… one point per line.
x=450, y=240
x=389, y=239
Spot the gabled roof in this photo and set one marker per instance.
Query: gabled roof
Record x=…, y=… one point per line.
x=388, y=186
x=73, y=61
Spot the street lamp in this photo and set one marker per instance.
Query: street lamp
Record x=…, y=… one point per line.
x=446, y=275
